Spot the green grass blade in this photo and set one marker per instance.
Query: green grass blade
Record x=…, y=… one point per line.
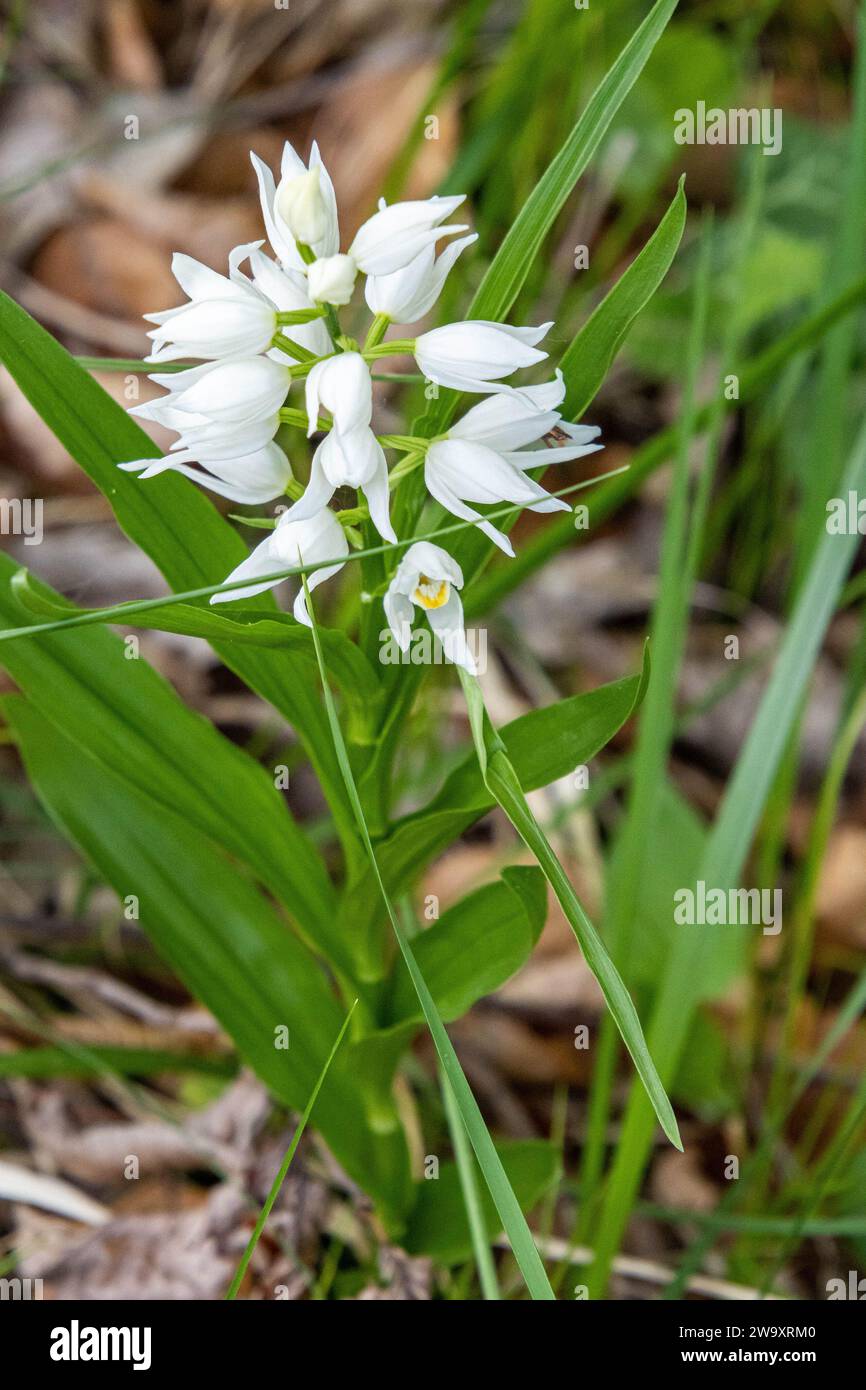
x=726, y=851
x=512, y=262
x=654, y=735
x=513, y=1220
x=586, y=361
x=287, y=1161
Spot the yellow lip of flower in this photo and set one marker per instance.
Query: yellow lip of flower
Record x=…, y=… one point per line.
x=431, y=593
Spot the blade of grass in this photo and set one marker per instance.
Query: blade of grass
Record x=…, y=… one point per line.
x=126, y=612
x=726, y=851
x=830, y=418
x=513, y=1220
x=851, y=1010
x=469, y=1187
x=287, y=1161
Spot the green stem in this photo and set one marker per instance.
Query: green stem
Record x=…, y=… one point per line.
x=333, y=323
x=408, y=464
x=378, y=328
x=409, y=443
x=397, y=347
x=286, y=316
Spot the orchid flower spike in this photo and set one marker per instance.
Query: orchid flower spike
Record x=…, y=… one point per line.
x=304, y=200
x=406, y=295
x=429, y=578
x=395, y=235
x=473, y=356
x=320, y=537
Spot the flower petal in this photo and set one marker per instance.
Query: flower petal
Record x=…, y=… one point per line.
x=260, y=561
x=447, y=623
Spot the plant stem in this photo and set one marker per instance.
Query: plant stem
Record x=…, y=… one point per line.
x=378, y=329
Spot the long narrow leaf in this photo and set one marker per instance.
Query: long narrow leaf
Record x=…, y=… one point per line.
x=286, y=1164
x=503, y=784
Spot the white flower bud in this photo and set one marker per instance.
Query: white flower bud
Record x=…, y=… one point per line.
x=332, y=279
x=302, y=207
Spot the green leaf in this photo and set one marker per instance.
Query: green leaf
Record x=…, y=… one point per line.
x=543, y=746
x=438, y=1225
x=586, y=361
x=127, y=717
x=507, y=1204
x=221, y=937
x=512, y=262
x=250, y=627
x=475, y=946
x=167, y=517
x=503, y=784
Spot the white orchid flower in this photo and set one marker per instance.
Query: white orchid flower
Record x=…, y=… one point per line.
x=320, y=537
x=457, y=471
x=351, y=459
x=395, y=235
x=210, y=439
x=226, y=315
x=275, y=197
x=483, y=457
x=406, y=295
x=429, y=578
x=509, y=422
x=250, y=478
x=473, y=356
x=331, y=279
x=233, y=391
x=343, y=385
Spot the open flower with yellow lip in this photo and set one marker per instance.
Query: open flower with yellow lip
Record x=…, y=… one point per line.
x=429, y=578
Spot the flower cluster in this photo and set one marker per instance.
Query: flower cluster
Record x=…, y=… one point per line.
x=258, y=332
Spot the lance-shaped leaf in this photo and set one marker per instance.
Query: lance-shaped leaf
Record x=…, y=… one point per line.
x=502, y=782
x=167, y=517
x=127, y=717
